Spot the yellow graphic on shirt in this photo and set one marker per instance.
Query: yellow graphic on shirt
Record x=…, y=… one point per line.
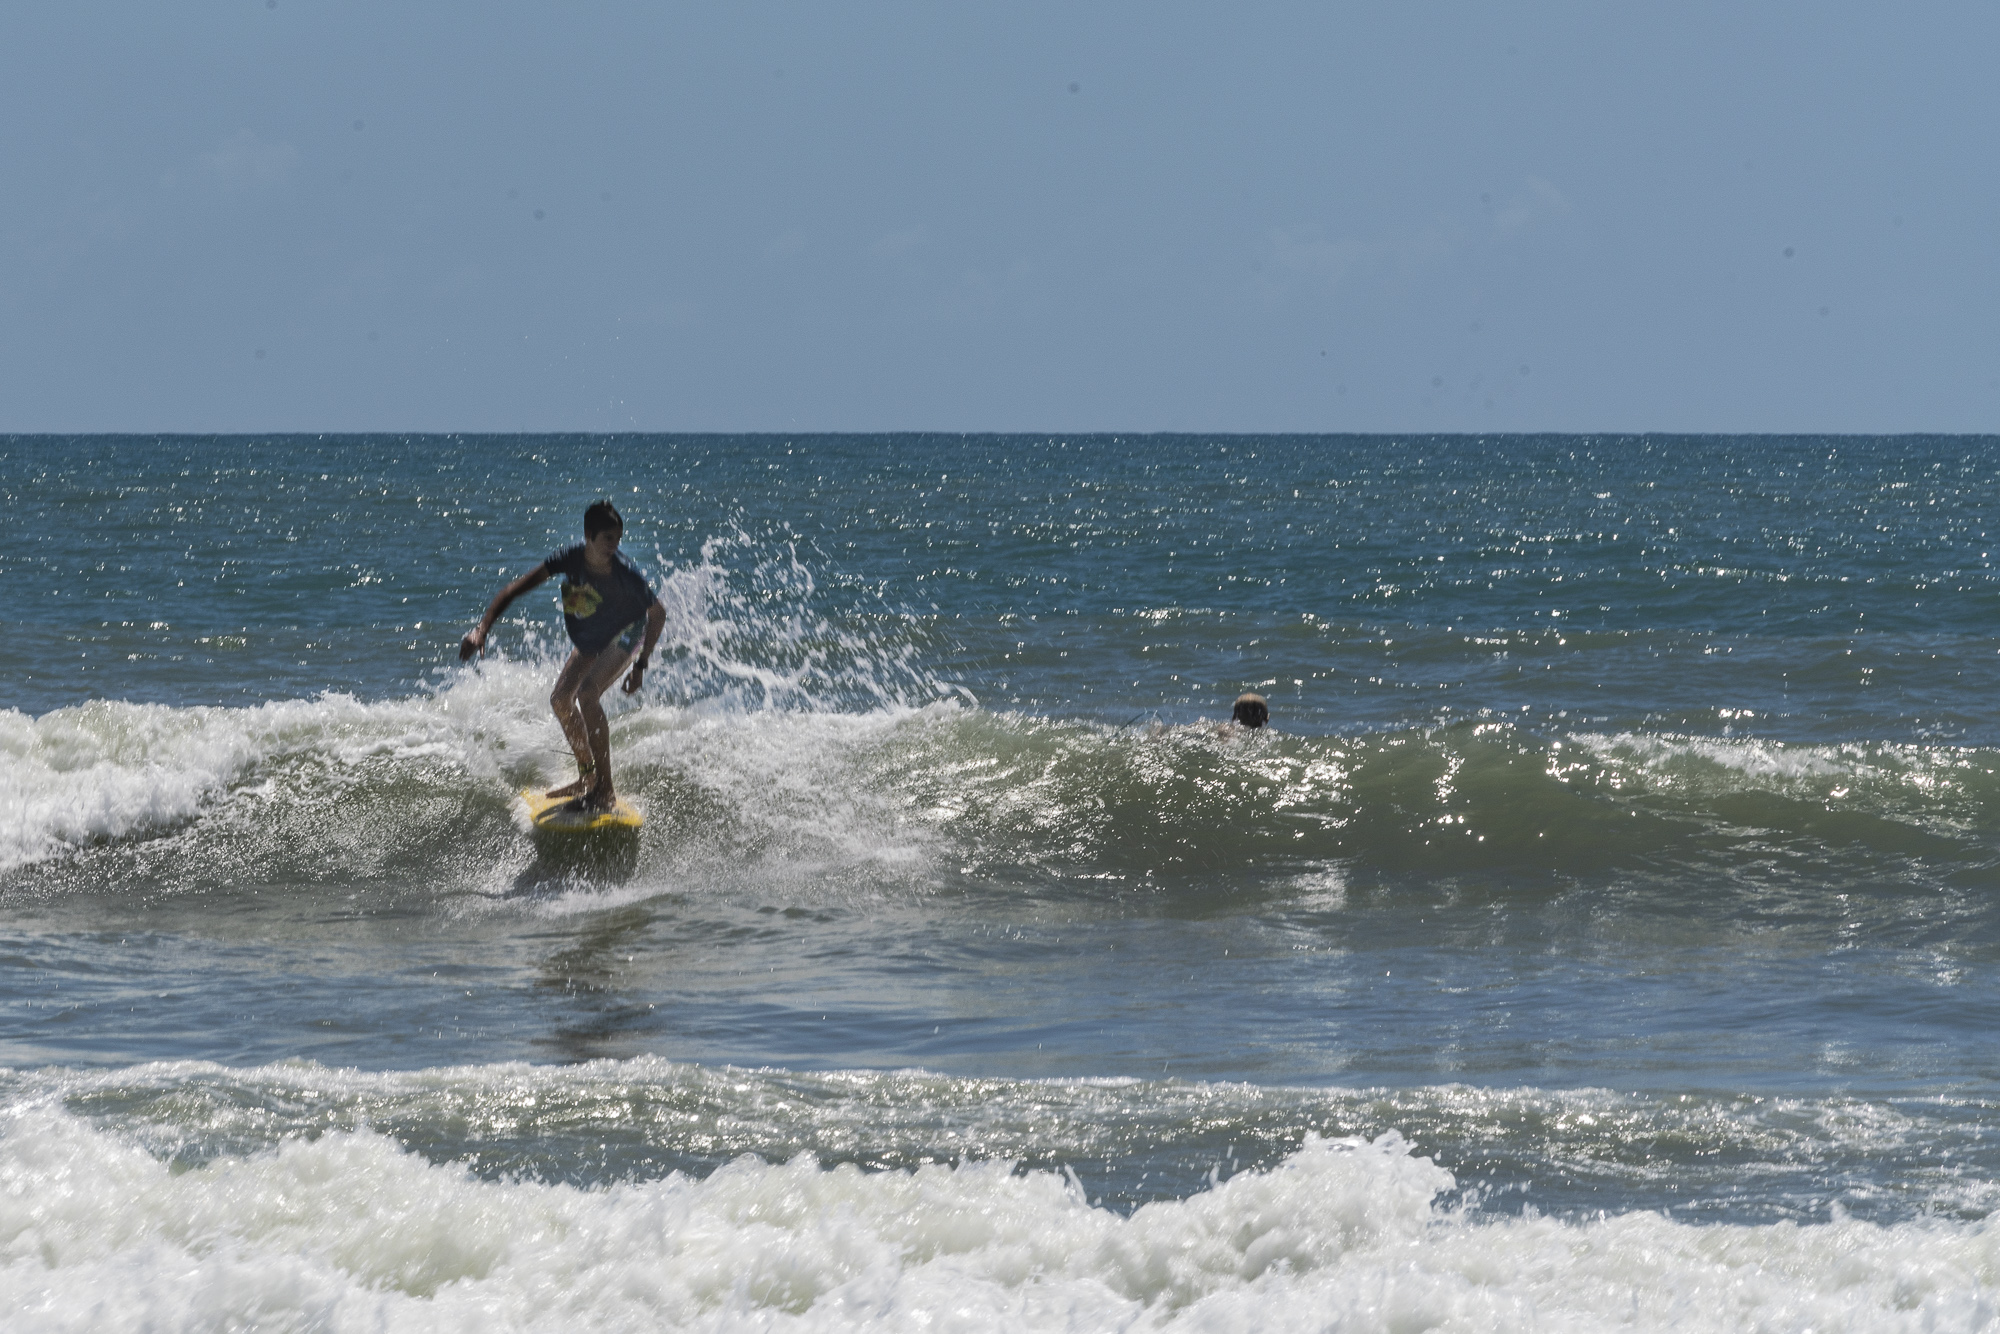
x=581, y=601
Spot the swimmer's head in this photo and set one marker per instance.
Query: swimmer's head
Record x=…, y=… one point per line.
x=1250, y=710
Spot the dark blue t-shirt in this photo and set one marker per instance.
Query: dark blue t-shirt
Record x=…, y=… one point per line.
x=597, y=607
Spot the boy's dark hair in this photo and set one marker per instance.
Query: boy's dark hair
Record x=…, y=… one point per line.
x=599, y=517
x=1251, y=710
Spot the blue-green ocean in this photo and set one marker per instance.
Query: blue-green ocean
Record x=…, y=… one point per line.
x=1602, y=935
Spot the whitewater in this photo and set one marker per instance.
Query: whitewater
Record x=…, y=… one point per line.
x=1602, y=936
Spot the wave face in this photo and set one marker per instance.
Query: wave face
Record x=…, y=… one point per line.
x=1603, y=934
x=149, y=798
x=186, y=1196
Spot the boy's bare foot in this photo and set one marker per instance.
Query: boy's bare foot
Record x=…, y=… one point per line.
x=598, y=799
x=576, y=789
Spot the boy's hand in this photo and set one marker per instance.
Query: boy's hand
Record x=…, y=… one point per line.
x=635, y=678
x=471, y=645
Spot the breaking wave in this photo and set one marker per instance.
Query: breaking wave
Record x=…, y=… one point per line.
x=355, y=1226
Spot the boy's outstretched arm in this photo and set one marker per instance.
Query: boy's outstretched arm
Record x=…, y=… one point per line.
x=656, y=621
x=476, y=641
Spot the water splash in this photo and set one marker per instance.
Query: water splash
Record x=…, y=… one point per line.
x=751, y=626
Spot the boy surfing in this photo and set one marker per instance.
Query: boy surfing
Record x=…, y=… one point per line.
x=603, y=600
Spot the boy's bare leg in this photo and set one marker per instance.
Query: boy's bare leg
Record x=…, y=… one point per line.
x=608, y=667
x=563, y=699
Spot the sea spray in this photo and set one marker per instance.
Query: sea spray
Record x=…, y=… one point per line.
x=751, y=624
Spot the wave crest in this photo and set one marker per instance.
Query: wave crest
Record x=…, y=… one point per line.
x=349, y=1229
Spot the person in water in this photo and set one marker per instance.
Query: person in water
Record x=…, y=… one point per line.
x=604, y=600
x=1251, y=711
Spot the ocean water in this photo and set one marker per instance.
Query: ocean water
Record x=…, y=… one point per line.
x=1603, y=935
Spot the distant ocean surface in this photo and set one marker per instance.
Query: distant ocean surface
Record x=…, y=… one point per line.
x=1603, y=935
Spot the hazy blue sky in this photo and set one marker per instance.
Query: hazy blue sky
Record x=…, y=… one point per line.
x=311, y=215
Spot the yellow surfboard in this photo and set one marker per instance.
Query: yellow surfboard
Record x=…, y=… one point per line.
x=561, y=815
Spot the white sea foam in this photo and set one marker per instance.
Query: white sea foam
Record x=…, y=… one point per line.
x=780, y=786
x=108, y=769
x=1942, y=780
x=1672, y=759
x=103, y=770
x=349, y=1231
